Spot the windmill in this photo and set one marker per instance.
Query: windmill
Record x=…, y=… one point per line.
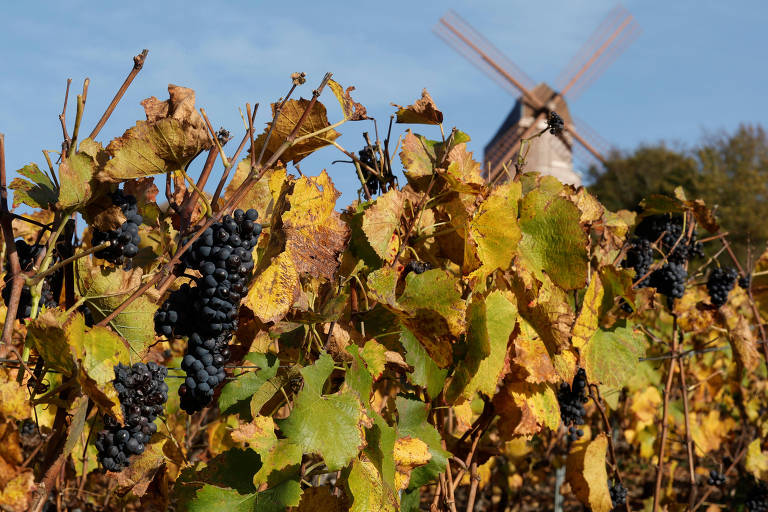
x=550, y=155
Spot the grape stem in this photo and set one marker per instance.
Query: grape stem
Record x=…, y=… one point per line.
x=42, y=275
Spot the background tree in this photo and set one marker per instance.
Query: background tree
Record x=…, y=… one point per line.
x=728, y=171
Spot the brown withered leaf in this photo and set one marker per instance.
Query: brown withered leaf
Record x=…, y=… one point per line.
x=173, y=134
x=525, y=408
x=743, y=341
x=381, y=224
x=353, y=111
x=290, y=115
x=314, y=233
x=319, y=499
x=137, y=477
x=423, y=111
x=531, y=358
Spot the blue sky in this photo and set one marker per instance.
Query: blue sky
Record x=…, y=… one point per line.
x=698, y=66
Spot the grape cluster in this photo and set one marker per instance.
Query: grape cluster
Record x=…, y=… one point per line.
x=571, y=400
x=417, y=267
x=669, y=280
x=142, y=391
x=369, y=156
x=207, y=312
x=716, y=478
x=668, y=230
x=125, y=239
x=757, y=498
x=720, y=283
x=618, y=495
x=745, y=281
x=555, y=123
x=51, y=284
x=640, y=258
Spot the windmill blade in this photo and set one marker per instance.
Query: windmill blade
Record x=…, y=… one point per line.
x=610, y=38
x=588, y=141
x=479, y=51
x=602, y=146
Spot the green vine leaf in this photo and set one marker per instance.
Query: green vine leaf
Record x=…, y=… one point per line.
x=38, y=192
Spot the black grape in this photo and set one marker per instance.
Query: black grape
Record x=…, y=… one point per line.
x=555, y=123
x=571, y=399
x=51, y=284
x=206, y=311
x=417, y=267
x=142, y=391
x=720, y=283
x=640, y=258
x=669, y=280
x=125, y=239
x=716, y=478
x=618, y=495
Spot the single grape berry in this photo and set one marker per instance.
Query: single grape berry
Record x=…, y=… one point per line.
x=720, y=283
x=417, y=267
x=555, y=123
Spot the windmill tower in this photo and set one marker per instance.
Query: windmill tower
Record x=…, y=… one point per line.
x=550, y=155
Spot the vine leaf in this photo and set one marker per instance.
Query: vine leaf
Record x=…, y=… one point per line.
x=369, y=494
x=314, y=233
x=524, y=408
x=259, y=434
x=17, y=492
x=586, y=322
x=585, y=471
x=142, y=470
x=38, y=192
x=531, y=357
x=756, y=461
x=434, y=312
x=100, y=352
x=423, y=111
x=743, y=341
x=329, y=425
x=320, y=499
x=52, y=334
x=75, y=174
x=13, y=398
x=610, y=357
x=353, y=111
x=375, y=356
x=278, y=462
x=409, y=453
x=425, y=372
x=171, y=137
x=418, y=156
x=274, y=290
x=99, y=284
x=494, y=228
x=381, y=223
x=381, y=285
x=240, y=390
x=289, y=117
x=413, y=422
x=464, y=173
x=263, y=195
x=553, y=242
x=275, y=499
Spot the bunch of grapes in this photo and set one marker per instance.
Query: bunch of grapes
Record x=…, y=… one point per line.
x=51, y=284
x=618, y=495
x=640, y=258
x=207, y=312
x=555, y=123
x=669, y=280
x=668, y=230
x=720, y=283
x=716, y=478
x=757, y=498
x=417, y=267
x=571, y=400
x=125, y=239
x=745, y=281
x=142, y=391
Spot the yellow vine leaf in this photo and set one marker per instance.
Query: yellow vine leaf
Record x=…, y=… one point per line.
x=381, y=223
x=410, y=452
x=585, y=471
x=13, y=398
x=259, y=434
x=525, y=408
x=274, y=291
x=586, y=322
x=16, y=493
x=757, y=460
